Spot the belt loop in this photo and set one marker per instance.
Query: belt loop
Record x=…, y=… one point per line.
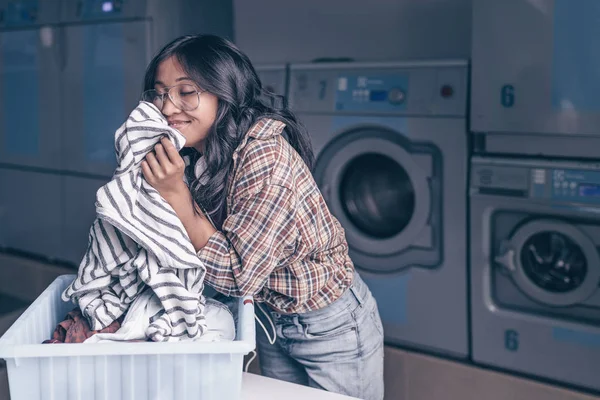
x=356, y=294
x=297, y=324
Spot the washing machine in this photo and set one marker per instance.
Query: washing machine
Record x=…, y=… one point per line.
x=535, y=267
x=391, y=147
x=274, y=80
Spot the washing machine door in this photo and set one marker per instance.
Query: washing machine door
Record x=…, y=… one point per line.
x=377, y=191
x=552, y=262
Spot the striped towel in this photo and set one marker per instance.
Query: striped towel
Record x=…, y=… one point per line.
x=138, y=240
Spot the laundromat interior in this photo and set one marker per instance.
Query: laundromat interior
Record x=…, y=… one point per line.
x=457, y=142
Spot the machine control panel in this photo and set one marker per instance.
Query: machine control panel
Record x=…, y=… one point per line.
x=273, y=79
x=365, y=93
x=570, y=182
x=575, y=185
x=379, y=88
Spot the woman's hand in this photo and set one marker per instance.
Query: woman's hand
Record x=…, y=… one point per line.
x=164, y=168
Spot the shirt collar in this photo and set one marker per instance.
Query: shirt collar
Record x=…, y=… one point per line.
x=264, y=129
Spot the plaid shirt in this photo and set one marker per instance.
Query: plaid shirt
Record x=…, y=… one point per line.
x=279, y=241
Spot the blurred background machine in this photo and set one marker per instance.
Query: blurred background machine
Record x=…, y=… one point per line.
x=70, y=73
x=274, y=79
x=535, y=187
x=535, y=267
x=534, y=87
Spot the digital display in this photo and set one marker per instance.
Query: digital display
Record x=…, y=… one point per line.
x=589, y=189
x=378, y=95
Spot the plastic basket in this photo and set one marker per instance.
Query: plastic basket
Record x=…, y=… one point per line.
x=115, y=371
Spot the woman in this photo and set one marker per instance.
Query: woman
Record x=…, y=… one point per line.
x=273, y=236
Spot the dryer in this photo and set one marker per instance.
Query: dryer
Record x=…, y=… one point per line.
x=391, y=147
x=535, y=267
x=536, y=84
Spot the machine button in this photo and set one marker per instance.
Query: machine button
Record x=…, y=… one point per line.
x=446, y=91
x=396, y=96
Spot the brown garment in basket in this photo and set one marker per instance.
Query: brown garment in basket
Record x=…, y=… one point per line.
x=76, y=329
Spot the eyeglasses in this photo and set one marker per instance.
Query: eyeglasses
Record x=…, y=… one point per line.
x=185, y=97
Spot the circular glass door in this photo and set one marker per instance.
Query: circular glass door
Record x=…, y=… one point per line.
x=553, y=262
x=377, y=195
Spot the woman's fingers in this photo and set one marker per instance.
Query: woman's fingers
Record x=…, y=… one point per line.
x=172, y=153
x=155, y=167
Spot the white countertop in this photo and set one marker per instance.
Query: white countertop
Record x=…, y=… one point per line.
x=257, y=387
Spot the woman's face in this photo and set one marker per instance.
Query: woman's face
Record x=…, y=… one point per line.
x=196, y=124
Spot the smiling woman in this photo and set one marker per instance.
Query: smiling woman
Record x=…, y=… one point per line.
x=273, y=236
x=179, y=98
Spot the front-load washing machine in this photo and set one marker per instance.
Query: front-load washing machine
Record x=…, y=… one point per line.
x=391, y=146
x=535, y=267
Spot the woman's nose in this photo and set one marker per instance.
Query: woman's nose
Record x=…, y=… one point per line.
x=168, y=107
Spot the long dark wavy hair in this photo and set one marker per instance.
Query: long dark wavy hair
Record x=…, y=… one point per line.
x=220, y=68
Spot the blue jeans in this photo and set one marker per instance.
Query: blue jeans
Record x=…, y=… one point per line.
x=338, y=348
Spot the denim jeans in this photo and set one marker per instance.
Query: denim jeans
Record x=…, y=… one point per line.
x=338, y=348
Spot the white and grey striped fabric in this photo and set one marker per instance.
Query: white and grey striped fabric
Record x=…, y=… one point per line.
x=138, y=240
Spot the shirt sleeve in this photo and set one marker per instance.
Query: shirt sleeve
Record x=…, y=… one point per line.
x=252, y=243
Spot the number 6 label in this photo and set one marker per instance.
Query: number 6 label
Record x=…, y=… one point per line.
x=507, y=96
x=511, y=340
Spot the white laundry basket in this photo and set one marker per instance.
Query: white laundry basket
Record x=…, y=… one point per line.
x=119, y=371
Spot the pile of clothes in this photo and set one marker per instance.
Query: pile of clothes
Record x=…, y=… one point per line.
x=75, y=328
x=140, y=278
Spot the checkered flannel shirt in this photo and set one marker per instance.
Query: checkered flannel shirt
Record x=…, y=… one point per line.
x=279, y=242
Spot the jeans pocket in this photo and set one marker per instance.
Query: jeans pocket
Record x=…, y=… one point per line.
x=333, y=326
